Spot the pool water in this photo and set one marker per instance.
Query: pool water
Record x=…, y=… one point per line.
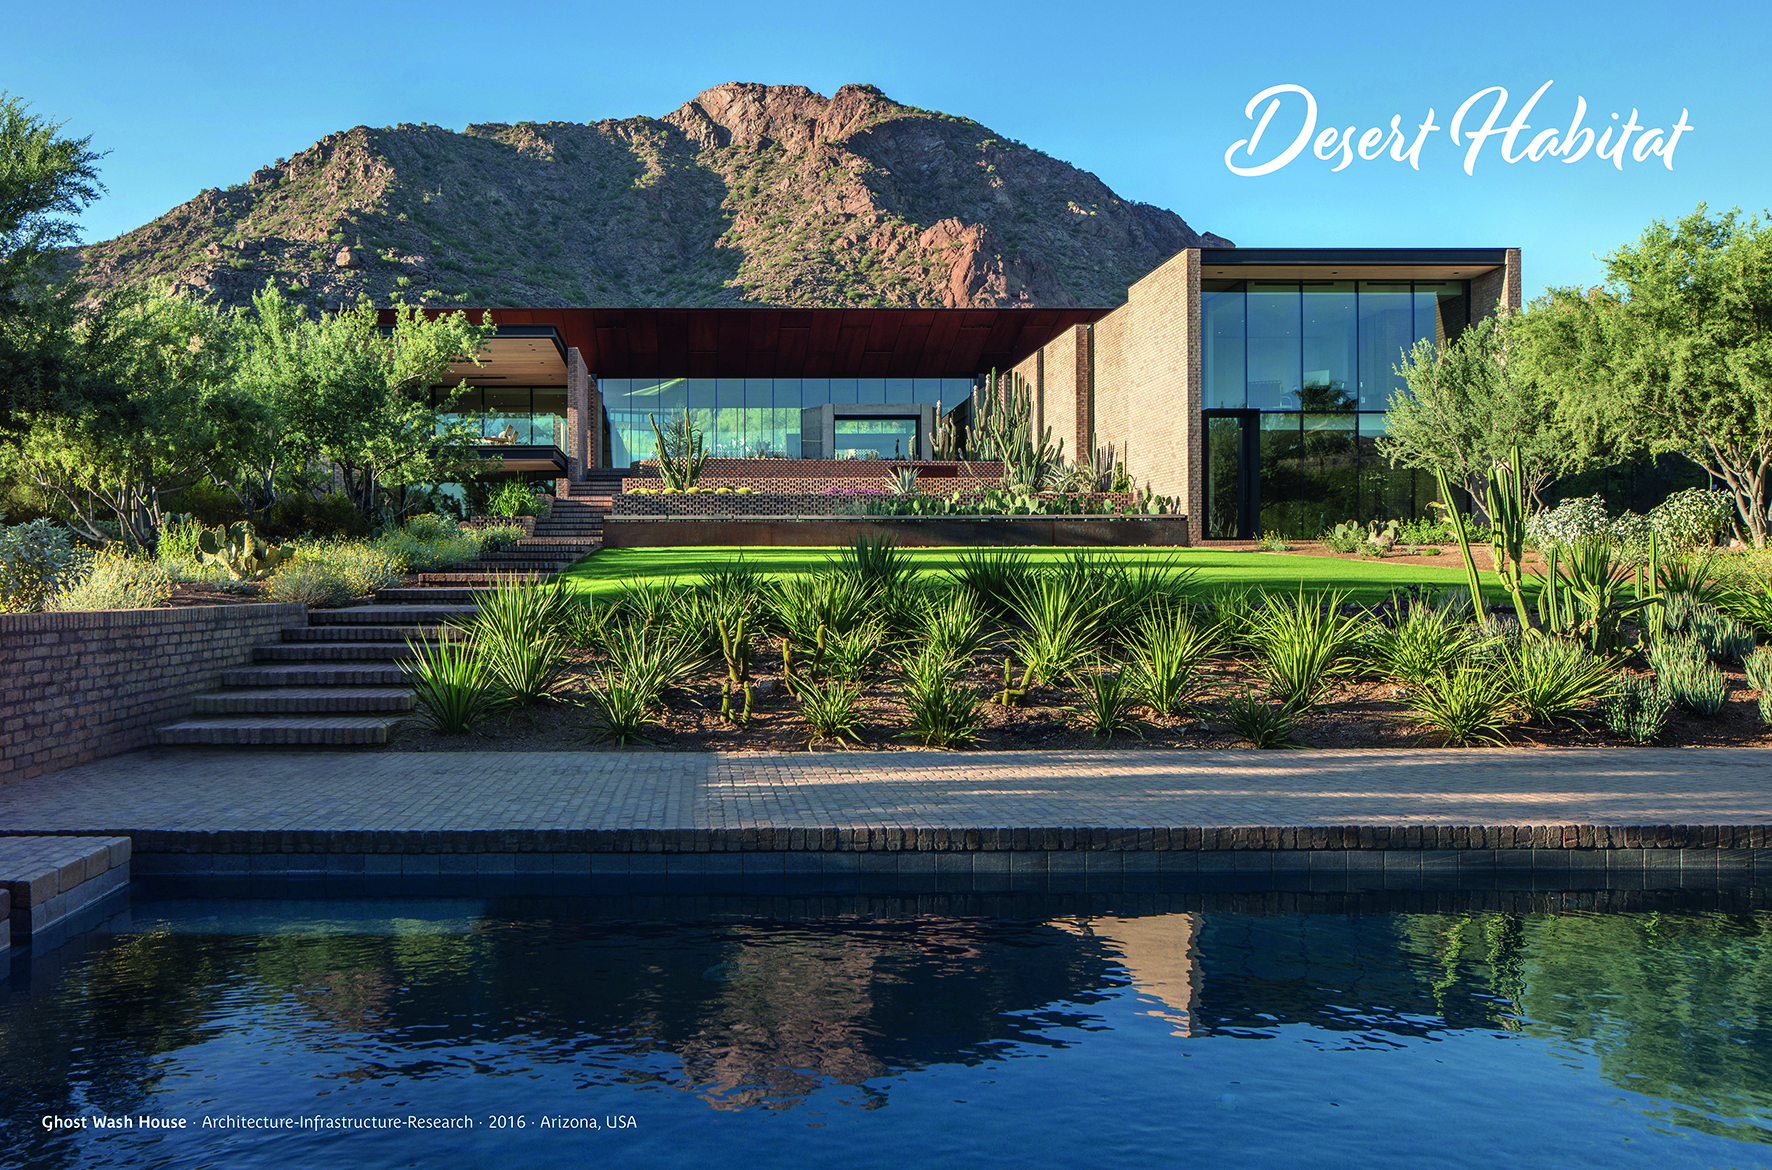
x=890, y=1032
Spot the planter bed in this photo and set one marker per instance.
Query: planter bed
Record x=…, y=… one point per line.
x=906, y=531
x=1355, y=714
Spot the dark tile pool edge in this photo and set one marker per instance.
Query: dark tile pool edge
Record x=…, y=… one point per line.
x=1199, y=839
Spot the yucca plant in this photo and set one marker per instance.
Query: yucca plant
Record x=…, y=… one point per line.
x=1236, y=618
x=994, y=577
x=943, y=712
x=877, y=563
x=1168, y=646
x=1130, y=592
x=1550, y=679
x=831, y=711
x=623, y=710
x=1695, y=684
x=1638, y=708
x=1306, y=642
x=1263, y=722
x=1062, y=615
x=513, y=632
x=1469, y=705
x=1693, y=574
x=735, y=583
x=1109, y=701
x=453, y=687
x=952, y=626
x=852, y=656
x=1427, y=642
x=582, y=623
x=648, y=660
x=812, y=609
x=650, y=603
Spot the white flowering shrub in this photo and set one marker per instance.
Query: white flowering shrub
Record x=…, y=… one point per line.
x=1692, y=517
x=1568, y=523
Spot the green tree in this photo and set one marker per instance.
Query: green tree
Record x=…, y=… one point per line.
x=1465, y=406
x=45, y=178
x=1672, y=354
x=342, y=393
x=139, y=419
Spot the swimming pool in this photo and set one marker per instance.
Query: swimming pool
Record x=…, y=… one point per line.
x=1104, y=1031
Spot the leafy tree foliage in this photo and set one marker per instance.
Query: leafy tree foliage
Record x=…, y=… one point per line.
x=1467, y=404
x=45, y=177
x=340, y=393
x=1672, y=354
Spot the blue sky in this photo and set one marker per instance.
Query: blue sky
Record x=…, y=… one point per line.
x=1147, y=96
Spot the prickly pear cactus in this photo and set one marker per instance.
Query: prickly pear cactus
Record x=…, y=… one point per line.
x=241, y=551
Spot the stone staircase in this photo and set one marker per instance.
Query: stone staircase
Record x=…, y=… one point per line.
x=572, y=530
x=338, y=681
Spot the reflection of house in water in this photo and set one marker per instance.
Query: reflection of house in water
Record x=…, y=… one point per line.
x=1160, y=957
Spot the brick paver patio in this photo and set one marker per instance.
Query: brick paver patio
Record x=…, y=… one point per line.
x=178, y=791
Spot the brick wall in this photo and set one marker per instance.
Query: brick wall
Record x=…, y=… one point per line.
x=1500, y=286
x=1147, y=383
x=80, y=686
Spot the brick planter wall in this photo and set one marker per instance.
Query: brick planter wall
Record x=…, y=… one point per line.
x=704, y=504
x=1090, y=531
x=79, y=686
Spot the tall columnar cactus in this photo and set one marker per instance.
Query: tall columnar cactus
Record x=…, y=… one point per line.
x=1003, y=430
x=241, y=551
x=1456, y=518
x=1507, y=540
x=680, y=469
x=735, y=648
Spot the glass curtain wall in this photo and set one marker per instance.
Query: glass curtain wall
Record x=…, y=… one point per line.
x=1318, y=359
x=760, y=417
x=522, y=415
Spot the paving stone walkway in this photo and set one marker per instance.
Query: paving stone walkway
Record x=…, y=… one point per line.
x=180, y=790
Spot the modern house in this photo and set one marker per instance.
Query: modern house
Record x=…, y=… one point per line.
x=1250, y=383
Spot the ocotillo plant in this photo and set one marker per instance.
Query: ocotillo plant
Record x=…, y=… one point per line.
x=680, y=468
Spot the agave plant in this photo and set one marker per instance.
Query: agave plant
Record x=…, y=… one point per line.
x=453, y=687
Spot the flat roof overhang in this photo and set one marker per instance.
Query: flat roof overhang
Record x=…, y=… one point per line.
x=1349, y=263
x=517, y=355
x=524, y=456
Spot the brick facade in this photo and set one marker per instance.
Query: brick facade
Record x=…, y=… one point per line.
x=1146, y=367
x=80, y=686
x=1500, y=287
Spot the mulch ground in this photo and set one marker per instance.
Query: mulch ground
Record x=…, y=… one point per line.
x=1352, y=714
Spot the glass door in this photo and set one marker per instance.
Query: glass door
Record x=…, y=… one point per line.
x=1233, y=474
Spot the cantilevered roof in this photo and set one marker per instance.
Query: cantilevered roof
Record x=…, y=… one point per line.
x=518, y=355
x=800, y=343
x=1349, y=263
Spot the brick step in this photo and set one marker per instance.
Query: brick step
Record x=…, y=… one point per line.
x=331, y=652
x=525, y=554
x=330, y=634
x=482, y=580
x=398, y=613
x=316, y=674
x=434, y=595
x=306, y=701
x=332, y=730
x=525, y=565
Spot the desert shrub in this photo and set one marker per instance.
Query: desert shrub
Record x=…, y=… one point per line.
x=178, y=542
x=1263, y=722
x=1638, y=708
x=499, y=539
x=432, y=526
x=112, y=579
x=1631, y=529
x=333, y=515
x=1168, y=647
x=451, y=682
x=428, y=543
x=831, y=711
x=364, y=567
x=1469, y=705
x=1691, y=518
x=1304, y=643
x=312, y=583
x=1275, y=542
x=1569, y=523
x=1551, y=679
x=37, y=561
x=1110, y=700
x=943, y=712
x=514, y=499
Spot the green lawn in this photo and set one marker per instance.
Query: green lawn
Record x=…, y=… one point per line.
x=609, y=571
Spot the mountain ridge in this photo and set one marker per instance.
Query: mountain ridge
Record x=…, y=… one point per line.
x=745, y=195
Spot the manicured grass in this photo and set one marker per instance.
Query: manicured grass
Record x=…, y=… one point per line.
x=607, y=572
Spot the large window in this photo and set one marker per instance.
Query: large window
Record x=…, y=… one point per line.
x=741, y=417
x=521, y=415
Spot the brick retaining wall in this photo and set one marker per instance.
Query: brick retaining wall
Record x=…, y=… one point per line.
x=79, y=686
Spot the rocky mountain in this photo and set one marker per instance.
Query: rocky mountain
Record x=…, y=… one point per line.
x=747, y=195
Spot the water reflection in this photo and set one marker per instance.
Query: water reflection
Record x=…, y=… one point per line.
x=759, y=1013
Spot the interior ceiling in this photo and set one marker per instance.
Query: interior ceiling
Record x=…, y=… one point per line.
x=797, y=343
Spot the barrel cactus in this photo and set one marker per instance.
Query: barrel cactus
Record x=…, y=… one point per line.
x=241, y=551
